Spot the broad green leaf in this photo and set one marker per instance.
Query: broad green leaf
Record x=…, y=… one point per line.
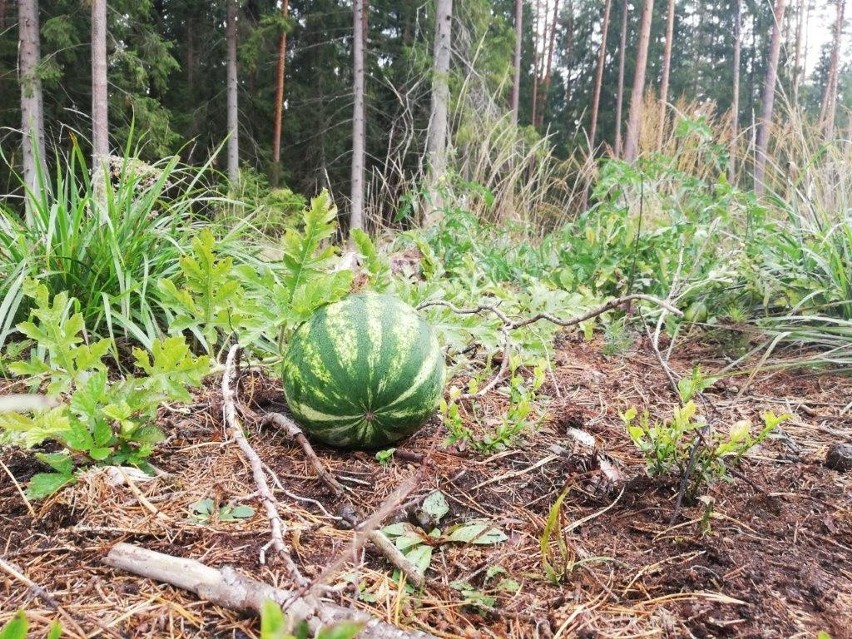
x=202, y=506
x=238, y=512
x=148, y=434
x=60, y=462
x=420, y=556
x=171, y=367
x=395, y=530
x=78, y=437
x=45, y=484
x=341, y=630
x=476, y=533
x=273, y=624
x=55, y=631
x=16, y=628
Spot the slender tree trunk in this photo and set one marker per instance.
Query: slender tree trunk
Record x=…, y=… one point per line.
x=438, y=134
x=32, y=112
x=829, y=104
x=549, y=65
x=279, y=99
x=797, y=55
x=516, y=80
x=356, y=212
x=536, y=61
x=634, y=119
x=765, y=123
x=735, y=100
x=667, y=65
x=233, y=104
x=619, y=100
x=596, y=100
x=100, y=118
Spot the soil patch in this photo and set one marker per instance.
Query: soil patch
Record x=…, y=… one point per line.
x=768, y=554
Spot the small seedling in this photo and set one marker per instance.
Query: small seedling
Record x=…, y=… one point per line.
x=417, y=544
x=205, y=511
x=384, y=457
x=667, y=445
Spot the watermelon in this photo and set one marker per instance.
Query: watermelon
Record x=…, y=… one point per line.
x=363, y=372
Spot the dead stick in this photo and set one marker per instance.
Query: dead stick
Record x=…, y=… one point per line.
x=385, y=546
x=371, y=525
x=41, y=593
x=229, y=412
x=510, y=325
x=230, y=589
x=294, y=432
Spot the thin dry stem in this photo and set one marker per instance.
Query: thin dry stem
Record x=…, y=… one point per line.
x=229, y=413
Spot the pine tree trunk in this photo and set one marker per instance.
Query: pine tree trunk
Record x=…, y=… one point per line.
x=667, y=65
x=356, y=211
x=619, y=100
x=829, y=104
x=516, y=79
x=765, y=123
x=634, y=119
x=100, y=118
x=436, y=143
x=32, y=112
x=735, y=101
x=596, y=100
x=233, y=105
x=279, y=99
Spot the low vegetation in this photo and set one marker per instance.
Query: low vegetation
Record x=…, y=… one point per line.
x=113, y=307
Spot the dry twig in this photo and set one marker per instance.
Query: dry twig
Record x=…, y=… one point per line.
x=228, y=588
x=229, y=412
x=510, y=325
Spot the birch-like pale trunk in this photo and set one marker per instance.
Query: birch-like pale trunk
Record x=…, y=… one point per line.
x=438, y=134
x=356, y=211
x=829, y=104
x=762, y=142
x=232, y=100
x=548, y=68
x=32, y=111
x=100, y=116
x=634, y=118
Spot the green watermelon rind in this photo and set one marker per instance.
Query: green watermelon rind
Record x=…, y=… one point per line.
x=363, y=372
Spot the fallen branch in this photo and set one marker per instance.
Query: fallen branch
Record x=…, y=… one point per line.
x=391, y=552
x=229, y=412
x=510, y=325
x=230, y=589
x=294, y=432
x=369, y=530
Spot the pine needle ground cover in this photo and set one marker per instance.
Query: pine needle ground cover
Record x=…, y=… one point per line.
x=770, y=558
x=548, y=495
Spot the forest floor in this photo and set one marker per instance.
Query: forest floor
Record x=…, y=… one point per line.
x=770, y=557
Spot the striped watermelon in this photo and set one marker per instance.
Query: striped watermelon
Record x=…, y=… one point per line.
x=363, y=372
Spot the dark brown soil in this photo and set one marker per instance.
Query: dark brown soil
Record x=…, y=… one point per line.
x=766, y=554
